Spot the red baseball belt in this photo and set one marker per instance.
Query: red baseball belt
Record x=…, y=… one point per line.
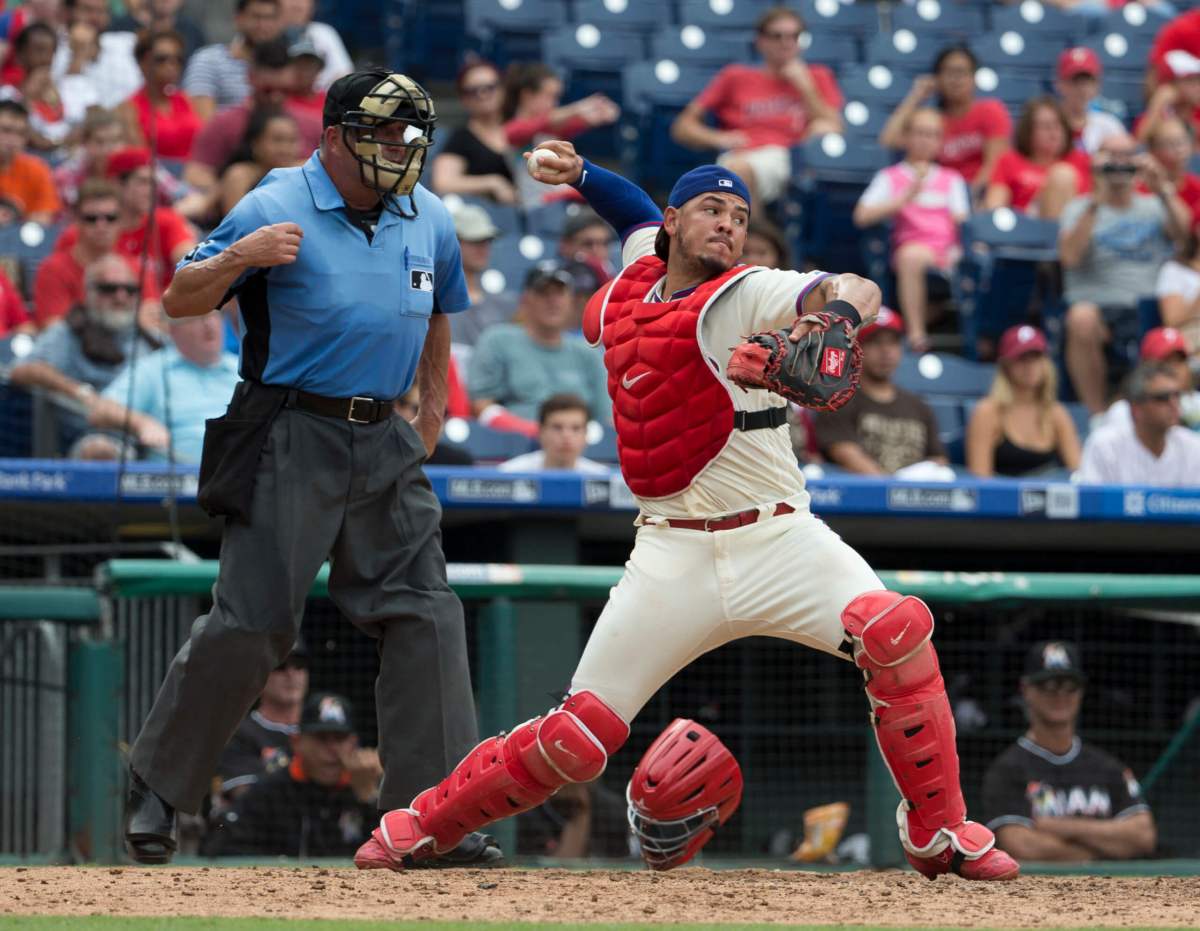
x=740, y=519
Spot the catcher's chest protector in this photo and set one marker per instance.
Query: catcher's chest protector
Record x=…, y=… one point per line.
x=672, y=412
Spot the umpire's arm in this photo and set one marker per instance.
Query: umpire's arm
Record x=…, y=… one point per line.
x=201, y=286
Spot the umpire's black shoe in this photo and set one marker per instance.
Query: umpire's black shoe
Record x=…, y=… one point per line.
x=478, y=851
x=149, y=824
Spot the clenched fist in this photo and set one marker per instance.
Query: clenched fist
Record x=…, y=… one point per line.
x=277, y=244
x=557, y=163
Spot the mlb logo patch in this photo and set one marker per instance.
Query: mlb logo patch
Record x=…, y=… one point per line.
x=724, y=182
x=833, y=361
x=421, y=280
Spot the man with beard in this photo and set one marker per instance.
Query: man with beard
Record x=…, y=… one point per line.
x=726, y=545
x=79, y=355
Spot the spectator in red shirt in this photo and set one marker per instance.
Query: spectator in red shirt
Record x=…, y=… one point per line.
x=763, y=111
x=307, y=65
x=59, y=285
x=1078, y=84
x=14, y=318
x=975, y=130
x=271, y=81
x=160, y=113
x=1171, y=144
x=173, y=235
x=1044, y=171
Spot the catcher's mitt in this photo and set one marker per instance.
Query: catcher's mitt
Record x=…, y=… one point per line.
x=819, y=372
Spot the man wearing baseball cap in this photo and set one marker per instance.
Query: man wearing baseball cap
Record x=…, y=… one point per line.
x=321, y=803
x=1169, y=346
x=884, y=427
x=476, y=232
x=1078, y=84
x=1052, y=796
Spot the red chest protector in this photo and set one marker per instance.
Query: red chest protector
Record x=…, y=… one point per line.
x=672, y=412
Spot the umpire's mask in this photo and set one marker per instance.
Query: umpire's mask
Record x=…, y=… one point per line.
x=387, y=124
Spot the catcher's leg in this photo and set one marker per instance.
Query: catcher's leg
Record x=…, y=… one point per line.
x=915, y=729
x=501, y=777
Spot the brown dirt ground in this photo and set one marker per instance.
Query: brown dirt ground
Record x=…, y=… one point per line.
x=698, y=895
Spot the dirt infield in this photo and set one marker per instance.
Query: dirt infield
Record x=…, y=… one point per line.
x=686, y=895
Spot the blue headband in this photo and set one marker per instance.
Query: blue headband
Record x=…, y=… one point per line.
x=707, y=179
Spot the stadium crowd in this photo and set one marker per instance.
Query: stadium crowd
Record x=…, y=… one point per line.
x=125, y=135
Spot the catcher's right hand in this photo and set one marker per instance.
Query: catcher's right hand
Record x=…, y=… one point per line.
x=561, y=166
x=818, y=369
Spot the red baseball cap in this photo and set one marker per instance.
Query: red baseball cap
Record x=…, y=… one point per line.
x=1018, y=340
x=126, y=161
x=1163, y=342
x=888, y=319
x=1078, y=60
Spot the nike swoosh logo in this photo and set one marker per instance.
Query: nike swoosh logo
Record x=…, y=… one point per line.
x=896, y=639
x=627, y=382
x=558, y=745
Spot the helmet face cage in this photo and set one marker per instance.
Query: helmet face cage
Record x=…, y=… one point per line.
x=666, y=844
x=395, y=100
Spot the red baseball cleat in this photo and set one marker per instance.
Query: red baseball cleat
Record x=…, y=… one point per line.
x=396, y=844
x=993, y=866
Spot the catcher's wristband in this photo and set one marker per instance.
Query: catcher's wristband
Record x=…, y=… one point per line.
x=843, y=309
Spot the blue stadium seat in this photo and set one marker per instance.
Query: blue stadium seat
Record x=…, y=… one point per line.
x=1134, y=20
x=654, y=93
x=835, y=51
x=629, y=17
x=662, y=82
x=944, y=19
x=511, y=30
x=1120, y=53
x=942, y=374
x=863, y=118
x=1012, y=88
x=951, y=424
x=694, y=45
x=825, y=16
x=16, y=422
x=512, y=257
x=1123, y=94
x=828, y=159
x=588, y=47
x=1046, y=21
x=1010, y=234
x=1010, y=51
x=422, y=39
x=23, y=247
x=904, y=50
x=605, y=448
x=490, y=446
x=878, y=84
x=506, y=217
x=547, y=220
x=721, y=14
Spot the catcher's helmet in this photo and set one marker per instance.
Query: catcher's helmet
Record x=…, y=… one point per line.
x=381, y=114
x=686, y=785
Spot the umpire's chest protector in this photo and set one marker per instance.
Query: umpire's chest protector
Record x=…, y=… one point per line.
x=672, y=410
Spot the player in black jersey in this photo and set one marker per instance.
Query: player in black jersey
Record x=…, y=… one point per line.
x=1051, y=796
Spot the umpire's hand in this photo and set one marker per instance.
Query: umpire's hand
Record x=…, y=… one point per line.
x=561, y=166
x=277, y=244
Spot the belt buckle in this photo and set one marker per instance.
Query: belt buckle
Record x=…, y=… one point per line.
x=350, y=414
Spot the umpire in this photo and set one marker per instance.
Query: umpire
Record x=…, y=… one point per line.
x=344, y=270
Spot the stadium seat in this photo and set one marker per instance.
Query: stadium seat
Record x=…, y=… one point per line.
x=511, y=30
x=623, y=15
x=23, y=247
x=1134, y=21
x=1121, y=53
x=16, y=422
x=487, y=445
x=822, y=17
x=863, y=118
x=877, y=84
x=661, y=83
x=506, y=217
x=828, y=159
x=942, y=374
x=1032, y=16
x=951, y=424
x=547, y=221
x=717, y=15
x=604, y=449
x=1009, y=234
x=834, y=51
x=1123, y=94
x=588, y=47
x=512, y=256
x=904, y=50
x=696, y=46
x=946, y=20
x=654, y=93
x=1013, y=89
x=422, y=39
x=1013, y=52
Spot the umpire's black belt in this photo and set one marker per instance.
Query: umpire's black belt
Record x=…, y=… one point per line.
x=355, y=410
x=760, y=420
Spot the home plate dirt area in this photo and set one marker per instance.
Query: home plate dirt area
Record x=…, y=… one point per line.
x=552, y=895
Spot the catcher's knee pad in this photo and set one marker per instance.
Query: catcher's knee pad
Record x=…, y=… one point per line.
x=515, y=772
x=909, y=708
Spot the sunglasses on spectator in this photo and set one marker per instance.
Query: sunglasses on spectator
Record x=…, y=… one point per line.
x=478, y=90
x=91, y=219
x=1162, y=396
x=1059, y=686
x=110, y=288
x=780, y=36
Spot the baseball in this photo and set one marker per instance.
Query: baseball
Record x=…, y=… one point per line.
x=536, y=157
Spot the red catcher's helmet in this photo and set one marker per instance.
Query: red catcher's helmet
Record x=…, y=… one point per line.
x=686, y=785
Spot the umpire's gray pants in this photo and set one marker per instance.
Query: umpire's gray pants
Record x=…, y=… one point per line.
x=354, y=493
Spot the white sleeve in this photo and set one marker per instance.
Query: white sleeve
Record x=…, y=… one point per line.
x=879, y=191
x=770, y=298
x=960, y=199
x=638, y=244
x=1172, y=279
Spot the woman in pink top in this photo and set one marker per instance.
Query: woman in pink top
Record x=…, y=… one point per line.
x=974, y=131
x=925, y=203
x=1045, y=170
